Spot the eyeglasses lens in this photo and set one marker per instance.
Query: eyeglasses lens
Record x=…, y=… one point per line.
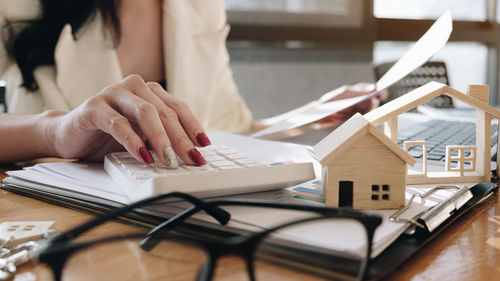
x=345, y=238
x=125, y=260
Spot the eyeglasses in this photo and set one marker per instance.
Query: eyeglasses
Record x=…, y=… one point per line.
x=153, y=256
x=261, y=247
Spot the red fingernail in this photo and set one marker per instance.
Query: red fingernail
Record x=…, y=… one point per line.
x=195, y=155
x=146, y=156
x=203, y=139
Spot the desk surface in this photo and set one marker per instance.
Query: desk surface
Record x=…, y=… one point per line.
x=468, y=250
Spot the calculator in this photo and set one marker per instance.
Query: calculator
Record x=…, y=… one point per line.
x=227, y=172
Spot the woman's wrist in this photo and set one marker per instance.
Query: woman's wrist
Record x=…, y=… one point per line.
x=46, y=129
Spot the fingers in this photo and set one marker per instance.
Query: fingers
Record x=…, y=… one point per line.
x=366, y=106
x=383, y=95
x=105, y=118
x=186, y=132
x=357, y=90
x=362, y=107
x=134, y=111
x=193, y=128
x=145, y=116
x=179, y=124
x=367, y=88
x=363, y=87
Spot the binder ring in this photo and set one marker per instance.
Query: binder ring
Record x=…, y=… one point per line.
x=396, y=216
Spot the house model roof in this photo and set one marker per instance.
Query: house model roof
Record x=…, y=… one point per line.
x=351, y=131
x=422, y=95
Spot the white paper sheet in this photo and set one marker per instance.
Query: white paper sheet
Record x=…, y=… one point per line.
x=429, y=44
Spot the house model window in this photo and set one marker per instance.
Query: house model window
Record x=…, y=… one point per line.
x=380, y=192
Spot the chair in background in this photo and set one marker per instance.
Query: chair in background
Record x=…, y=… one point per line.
x=430, y=71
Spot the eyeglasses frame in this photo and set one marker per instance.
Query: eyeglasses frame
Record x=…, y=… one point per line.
x=58, y=250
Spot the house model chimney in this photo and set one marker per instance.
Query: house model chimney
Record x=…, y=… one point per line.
x=479, y=92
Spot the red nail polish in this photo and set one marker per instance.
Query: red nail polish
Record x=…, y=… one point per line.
x=195, y=155
x=203, y=139
x=146, y=156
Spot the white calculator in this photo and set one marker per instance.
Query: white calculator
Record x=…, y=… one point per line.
x=227, y=172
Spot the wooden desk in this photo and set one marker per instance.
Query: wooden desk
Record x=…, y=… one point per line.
x=468, y=250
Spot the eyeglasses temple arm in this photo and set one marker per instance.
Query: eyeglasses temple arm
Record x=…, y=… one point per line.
x=214, y=211
x=156, y=234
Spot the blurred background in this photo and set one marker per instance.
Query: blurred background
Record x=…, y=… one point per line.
x=285, y=53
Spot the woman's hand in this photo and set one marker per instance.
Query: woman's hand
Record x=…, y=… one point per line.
x=348, y=91
x=343, y=92
x=128, y=115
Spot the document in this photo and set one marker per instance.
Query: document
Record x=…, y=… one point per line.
x=423, y=50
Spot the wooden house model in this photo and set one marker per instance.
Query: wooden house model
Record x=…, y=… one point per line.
x=362, y=168
x=464, y=163
x=360, y=157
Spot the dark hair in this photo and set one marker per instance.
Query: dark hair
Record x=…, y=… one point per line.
x=31, y=43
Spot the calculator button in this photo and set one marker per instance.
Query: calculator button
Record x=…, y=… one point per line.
x=135, y=166
x=218, y=164
x=230, y=167
x=164, y=170
x=246, y=162
x=218, y=146
x=214, y=158
x=207, y=153
x=178, y=171
x=122, y=155
x=237, y=156
x=155, y=157
x=199, y=168
x=129, y=172
x=227, y=151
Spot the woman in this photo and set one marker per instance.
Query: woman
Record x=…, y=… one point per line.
x=72, y=56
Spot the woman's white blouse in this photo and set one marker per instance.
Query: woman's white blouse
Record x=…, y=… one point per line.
x=197, y=70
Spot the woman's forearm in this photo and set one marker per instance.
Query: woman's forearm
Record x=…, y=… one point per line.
x=24, y=137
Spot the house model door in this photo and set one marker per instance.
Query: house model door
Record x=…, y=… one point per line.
x=346, y=190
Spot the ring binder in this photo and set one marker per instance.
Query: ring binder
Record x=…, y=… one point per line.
x=431, y=219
